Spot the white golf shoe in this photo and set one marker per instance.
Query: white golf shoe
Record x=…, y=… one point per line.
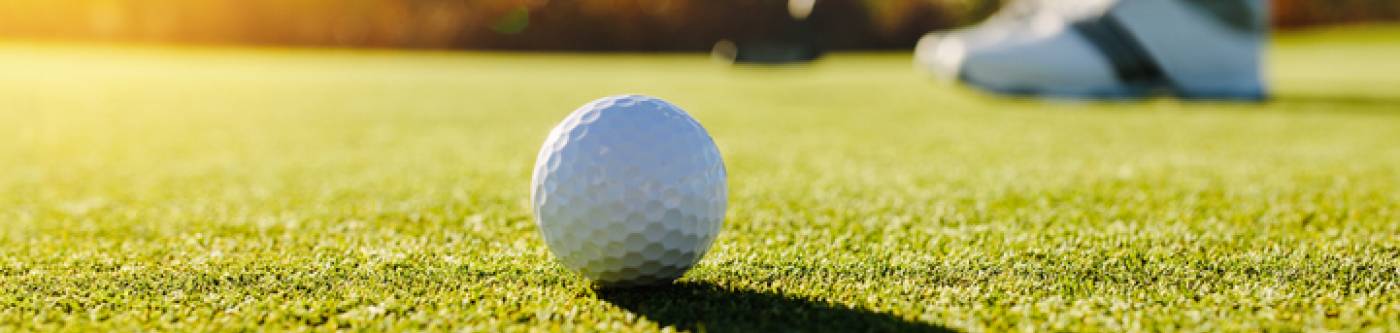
x=1196, y=49
x=942, y=53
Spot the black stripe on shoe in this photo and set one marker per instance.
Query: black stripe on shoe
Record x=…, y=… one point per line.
x=1130, y=60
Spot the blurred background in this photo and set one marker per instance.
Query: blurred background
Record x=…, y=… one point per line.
x=579, y=25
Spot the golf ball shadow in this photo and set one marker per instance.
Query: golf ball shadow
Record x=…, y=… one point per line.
x=701, y=306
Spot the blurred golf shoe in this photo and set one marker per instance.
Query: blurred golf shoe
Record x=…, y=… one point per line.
x=1198, y=49
x=942, y=53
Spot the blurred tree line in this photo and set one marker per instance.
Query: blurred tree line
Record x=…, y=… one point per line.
x=1299, y=13
x=537, y=24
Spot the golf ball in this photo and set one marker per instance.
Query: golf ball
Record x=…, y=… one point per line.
x=629, y=190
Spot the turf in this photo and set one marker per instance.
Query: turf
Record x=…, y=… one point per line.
x=159, y=188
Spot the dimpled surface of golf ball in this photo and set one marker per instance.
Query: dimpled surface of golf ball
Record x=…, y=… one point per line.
x=629, y=190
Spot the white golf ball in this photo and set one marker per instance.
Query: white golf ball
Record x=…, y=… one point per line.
x=629, y=190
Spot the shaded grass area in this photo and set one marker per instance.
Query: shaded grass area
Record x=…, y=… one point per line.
x=214, y=189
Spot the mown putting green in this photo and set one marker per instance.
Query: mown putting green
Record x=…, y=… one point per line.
x=191, y=189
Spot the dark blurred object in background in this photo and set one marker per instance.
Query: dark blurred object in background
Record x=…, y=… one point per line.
x=797, y=39
x=655, y=25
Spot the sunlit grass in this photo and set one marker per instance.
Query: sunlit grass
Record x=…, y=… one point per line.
x=189, y=189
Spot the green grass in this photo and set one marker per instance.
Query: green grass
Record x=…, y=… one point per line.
x=224, y=189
